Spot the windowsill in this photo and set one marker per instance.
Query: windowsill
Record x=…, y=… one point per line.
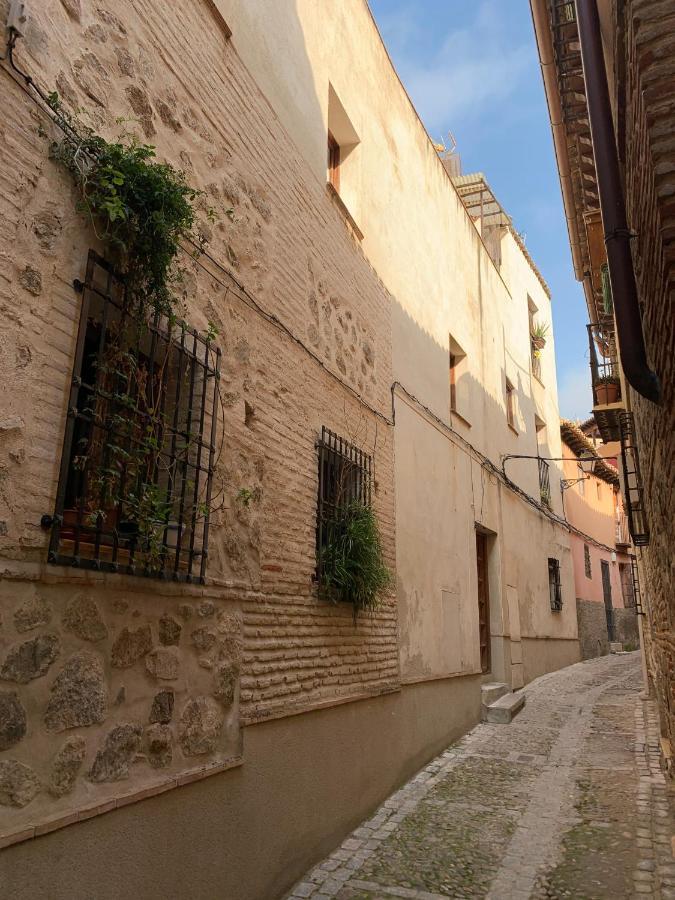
x=343, y=209
x=455, y=415
x=537, y=379
x=513, y=429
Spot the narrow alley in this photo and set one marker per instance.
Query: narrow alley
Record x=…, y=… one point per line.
x=566, y=801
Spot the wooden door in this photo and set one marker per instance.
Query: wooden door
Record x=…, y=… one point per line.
x=483, y=601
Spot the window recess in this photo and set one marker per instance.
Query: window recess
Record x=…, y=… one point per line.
x=554, y=586
x=345, y=477
x=136, y=476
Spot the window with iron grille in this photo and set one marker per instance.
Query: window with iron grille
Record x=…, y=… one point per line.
x=587, y=561
x=345, y=477
x=135, y=481
x=554, y=587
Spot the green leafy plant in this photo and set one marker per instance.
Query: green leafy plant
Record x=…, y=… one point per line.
x=140, y=207
x=244, y=496
x=352, y=563
x=539, y=330
x=142, y=210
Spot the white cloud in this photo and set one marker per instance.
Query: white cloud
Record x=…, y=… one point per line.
x=574, y=394
x=474, y=66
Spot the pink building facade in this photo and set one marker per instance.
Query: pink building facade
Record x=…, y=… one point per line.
x=600, y=546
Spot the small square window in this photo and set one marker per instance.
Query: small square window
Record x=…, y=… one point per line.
x=587, y=561
x=554, y=587
x=137, y=463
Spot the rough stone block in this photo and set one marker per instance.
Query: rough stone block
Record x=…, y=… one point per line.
x=502, y=711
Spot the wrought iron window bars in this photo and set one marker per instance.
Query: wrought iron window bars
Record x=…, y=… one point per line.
x=345, y=477
x=136, y=476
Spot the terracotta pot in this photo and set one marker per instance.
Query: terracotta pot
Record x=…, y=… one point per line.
x=606, y=393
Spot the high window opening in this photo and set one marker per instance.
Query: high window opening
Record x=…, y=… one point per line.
x=535, y=352
x=458, y=380
x=343, y=160
x=136, y=470
x=511, y=405
x=333, y=162
x=587, y=561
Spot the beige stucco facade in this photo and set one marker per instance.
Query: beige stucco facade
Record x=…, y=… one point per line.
x=446, y=291
x=336, y=310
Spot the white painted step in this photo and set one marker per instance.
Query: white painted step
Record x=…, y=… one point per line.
x=502, y=711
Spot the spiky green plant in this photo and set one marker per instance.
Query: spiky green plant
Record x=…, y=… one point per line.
x=352, y=563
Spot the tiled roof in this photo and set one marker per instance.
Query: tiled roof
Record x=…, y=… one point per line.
x=576, y=440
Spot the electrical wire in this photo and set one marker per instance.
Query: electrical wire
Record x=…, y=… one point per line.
x=248, y=300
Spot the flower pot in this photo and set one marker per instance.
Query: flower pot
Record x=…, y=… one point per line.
x=607, y=392
x=538, y=342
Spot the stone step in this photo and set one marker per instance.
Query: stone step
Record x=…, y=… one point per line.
x=502, y=711
x=492, y=691
x=615, y=647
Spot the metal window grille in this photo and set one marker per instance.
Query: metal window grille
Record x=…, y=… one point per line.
x=554, y=587
x=136, y=474
x=587, y=561
x=345, y=477
x=632, y=479
x=544, y=483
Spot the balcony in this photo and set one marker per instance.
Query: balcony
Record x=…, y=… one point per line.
x=607, y=401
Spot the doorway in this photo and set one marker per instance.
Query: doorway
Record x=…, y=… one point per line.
x=607, y=597
x=483, y=601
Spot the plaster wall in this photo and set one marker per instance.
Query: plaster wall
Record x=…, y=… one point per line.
x=430, y=255
x=254, y=830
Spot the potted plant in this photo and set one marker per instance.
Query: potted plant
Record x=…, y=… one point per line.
x=538, y=335
x=607, y=390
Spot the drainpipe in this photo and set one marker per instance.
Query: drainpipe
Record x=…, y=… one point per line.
x=542, y=30
x=612, y=205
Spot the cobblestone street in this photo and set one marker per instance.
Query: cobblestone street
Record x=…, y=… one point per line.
x=567, y=801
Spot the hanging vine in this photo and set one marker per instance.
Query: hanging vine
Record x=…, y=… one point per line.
x=140, y=209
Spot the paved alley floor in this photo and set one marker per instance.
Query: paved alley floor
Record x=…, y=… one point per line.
x=566, y=801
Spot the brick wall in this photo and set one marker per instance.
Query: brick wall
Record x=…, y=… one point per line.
x=649, y=153
x=287, y=242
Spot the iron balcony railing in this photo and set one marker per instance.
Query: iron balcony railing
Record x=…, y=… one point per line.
x=605, y=378
x=604, y=363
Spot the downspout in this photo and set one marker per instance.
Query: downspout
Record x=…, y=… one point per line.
x=542, y=30
x=612, y=205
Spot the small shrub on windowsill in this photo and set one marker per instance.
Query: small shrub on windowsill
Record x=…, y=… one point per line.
x=352, y=564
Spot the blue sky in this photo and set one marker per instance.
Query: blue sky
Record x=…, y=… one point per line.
x=471, y=67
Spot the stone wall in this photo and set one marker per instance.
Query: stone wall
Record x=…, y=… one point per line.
x=114, y=687
x=592, y=628
x=647, y=144
x=626, y=628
